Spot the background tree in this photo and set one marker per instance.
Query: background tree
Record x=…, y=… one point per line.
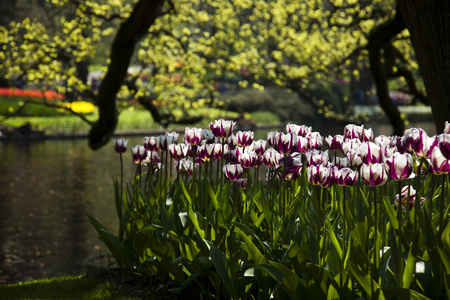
x=187, y=46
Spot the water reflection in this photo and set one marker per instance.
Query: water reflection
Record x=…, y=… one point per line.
x=46, y=190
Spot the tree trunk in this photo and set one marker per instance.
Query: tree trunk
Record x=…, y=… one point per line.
x=429, y=25
x=130, y=32
x=380, y=39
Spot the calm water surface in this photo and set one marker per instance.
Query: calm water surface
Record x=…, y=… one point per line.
x=47, y=188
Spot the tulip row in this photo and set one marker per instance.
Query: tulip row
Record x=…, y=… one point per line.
x=372, y=159
x=349, y=207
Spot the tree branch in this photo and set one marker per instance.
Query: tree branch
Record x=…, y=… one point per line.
x=130, y=32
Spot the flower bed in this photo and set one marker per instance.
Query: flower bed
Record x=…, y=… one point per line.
x=12, y=101
x=288, y=217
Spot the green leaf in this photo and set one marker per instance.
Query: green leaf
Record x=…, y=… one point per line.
x=289, y=281
x=391, y=213
x=409, y=269
x=222, y=266
x=403, y=293
x=333, y=239
x=366, y=282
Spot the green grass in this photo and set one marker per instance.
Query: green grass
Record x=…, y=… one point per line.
x=129, y=120
x=65, y=287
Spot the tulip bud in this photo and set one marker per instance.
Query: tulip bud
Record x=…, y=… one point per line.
x=120, y=145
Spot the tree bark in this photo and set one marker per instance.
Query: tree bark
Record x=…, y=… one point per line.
x=379, y=39
x=429, y=25
x=129, y=33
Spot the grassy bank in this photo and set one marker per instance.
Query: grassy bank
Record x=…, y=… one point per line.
x=96, y=284
x=129, y=120
x=65, y=287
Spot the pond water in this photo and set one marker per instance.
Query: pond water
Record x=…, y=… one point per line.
x=47, y=188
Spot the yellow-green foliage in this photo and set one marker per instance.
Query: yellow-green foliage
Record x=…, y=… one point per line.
x=198, y=42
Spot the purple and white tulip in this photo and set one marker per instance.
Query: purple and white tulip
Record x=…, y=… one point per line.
x=400, y=166
x=371, y=153
x=373, y=175
x=193, y=136
x=320, y=175
x=408, y=198
x=139, y=154
x=222, y=128
x=233, y=171
x=120, y=145
x=345, y=177
x=244, y=138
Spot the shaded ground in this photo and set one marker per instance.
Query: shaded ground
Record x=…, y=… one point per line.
x=136, y=285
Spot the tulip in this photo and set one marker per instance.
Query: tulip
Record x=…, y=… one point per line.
x=334, y=143
x=186, y=166
x=244, y=138
x=407, y=191
x=178, y=151
x=351, y=144
x=383, y=140
x=352, y=131
x=447, y=127
x=151, y=143
x=260, y=146
x=152, y=160
x=120, y=145
x=415, y=140
x=300, y=130
x=233, y=171
x=193, y=136
x=138, y=153
x=201, y=155
x=271, y=157
x=315, y=140
x=222, y=128
x=316, y=157
x=165, y=140
x=291, y=165
x=388, y=151
x=247, y=159
x=439, y=164
x=272, y=138
x=209, y=137
x=345, y=177
x=230, y=155
x=341, y=162
x=319, y=175
x=231, y=142
x=444, y=144
x=367, y=135
x=355, y=158
x=370, y=153
x=400, y=166
x=214, y=151
x=286, y=143
x=373, y=175
x=302, y=144
x=242, y=182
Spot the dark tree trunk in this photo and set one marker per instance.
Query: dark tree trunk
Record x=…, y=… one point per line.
x=7, y=10
x=130, y=32
x=380, y=39
x=429, y=25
